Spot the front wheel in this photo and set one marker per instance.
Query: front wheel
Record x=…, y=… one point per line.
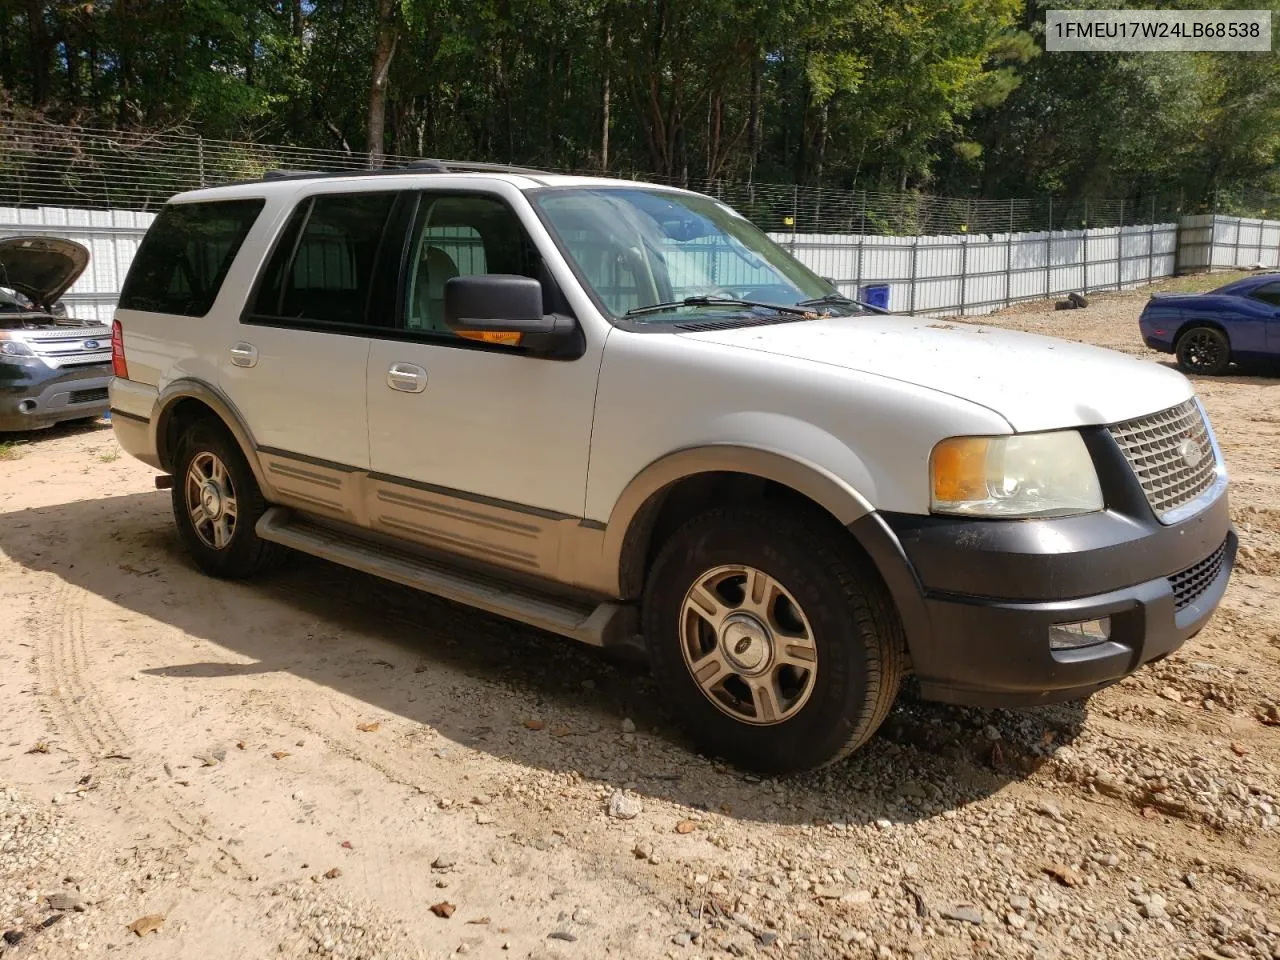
x=775, y=643
x=1204, y=351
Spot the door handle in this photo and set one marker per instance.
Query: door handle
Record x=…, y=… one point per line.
x=244, y=354
x=407, y=378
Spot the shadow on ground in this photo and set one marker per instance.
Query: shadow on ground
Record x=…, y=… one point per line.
x=475, y=678
x=68, y=428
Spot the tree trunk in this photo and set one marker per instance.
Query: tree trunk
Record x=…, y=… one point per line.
x=40, y=54
x=384, y=49
x=753, y=123
x=606, y=69
x=297, y=19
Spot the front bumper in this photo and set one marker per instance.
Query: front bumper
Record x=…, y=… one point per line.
x=977, y=597
x=34, y=395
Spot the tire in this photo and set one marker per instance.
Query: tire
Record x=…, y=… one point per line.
x=1204, y=351
x=222, y=545
x=1078, y=299
x=820, y=588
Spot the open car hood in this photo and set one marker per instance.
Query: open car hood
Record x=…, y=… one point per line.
x=42, y=269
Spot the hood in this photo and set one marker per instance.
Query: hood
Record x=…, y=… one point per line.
x=1034, y=382
x=42, y=269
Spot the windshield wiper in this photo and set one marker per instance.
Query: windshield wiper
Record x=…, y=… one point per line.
x=839, y=299
x=797, y=310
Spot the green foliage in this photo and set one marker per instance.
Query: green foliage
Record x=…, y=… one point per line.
x=943, y=95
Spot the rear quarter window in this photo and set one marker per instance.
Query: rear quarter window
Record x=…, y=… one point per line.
x=185, y=256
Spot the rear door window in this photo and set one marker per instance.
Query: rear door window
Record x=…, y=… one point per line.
x=326, y=269
x=185, y=256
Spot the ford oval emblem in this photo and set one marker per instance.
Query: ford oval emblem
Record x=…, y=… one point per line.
x=91, y=344
x=1191, y=452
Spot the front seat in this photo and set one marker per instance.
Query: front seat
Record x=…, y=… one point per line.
x=435, y=269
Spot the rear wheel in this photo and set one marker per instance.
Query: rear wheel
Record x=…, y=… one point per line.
x=217, y=503
x=774, y=642
x=1204, y=350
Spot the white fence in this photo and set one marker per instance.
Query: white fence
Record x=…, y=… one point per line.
x=112, y=237
x=1210, y=241
x=960, y=274
x=971, y=274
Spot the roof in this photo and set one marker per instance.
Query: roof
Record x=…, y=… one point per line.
x=413, y=176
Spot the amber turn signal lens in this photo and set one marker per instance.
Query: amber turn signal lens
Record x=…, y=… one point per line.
x=509, y=339
x=959, y=470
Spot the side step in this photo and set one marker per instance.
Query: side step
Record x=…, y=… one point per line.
x=607, y=624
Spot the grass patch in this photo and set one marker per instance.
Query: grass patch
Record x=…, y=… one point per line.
x=111, y=456
x=1199, y=282
x=8, y=451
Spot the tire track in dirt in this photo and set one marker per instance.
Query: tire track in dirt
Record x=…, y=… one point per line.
x=63, y=663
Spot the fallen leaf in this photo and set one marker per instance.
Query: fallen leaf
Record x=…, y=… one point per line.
x=40, y=747
x=346, y=845
x=479, y=920
x=420, y=668
x=239, y=744
x=1062, y=873
x=686, y=826
x=534, y=724
x=333, y=873
x=997, y=755
x=1048, y=737
x=726, y=808
x=443, y=909
x=280, y=754
x=368, y=727
x=148, y=924
x=206, y=759
x=1151, y=813
x=1239, y=749
x=561, y=732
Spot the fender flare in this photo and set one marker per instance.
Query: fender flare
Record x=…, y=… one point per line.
x=636, y=507
x=216, y=401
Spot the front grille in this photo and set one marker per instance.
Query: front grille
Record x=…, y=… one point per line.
x=1195, y=580
x=1151, y=445
x=88, y=396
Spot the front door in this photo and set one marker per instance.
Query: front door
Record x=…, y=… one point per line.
x=475, y=448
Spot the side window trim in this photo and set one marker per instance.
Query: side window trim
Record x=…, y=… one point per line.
x=251, y=316
x=426, y=199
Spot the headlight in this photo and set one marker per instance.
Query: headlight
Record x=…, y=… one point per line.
x=1023, y=475
x=15, y=348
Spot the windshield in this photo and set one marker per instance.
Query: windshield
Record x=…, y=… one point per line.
x=639, y=248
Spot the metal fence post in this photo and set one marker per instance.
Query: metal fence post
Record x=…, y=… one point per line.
x=1235, y=255
x=1120, y=250
x=862, y=240
x=964, y=270
x=795, y=214
x=911, y=292
x=1008, y=260
x=200, y=158
x=1085, y=241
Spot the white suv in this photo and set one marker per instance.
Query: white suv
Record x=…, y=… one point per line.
x=614, y=410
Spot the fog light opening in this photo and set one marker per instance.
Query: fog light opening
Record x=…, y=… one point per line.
x=26, y=406
x=1083, y=633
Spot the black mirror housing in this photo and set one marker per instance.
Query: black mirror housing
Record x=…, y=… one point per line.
x=503, y=303
x=495, y=302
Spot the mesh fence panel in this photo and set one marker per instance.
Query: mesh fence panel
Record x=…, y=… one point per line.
x=48, y=165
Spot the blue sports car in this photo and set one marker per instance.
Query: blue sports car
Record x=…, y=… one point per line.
x=1207, y=331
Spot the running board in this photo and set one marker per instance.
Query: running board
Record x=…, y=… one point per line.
x=607, y=624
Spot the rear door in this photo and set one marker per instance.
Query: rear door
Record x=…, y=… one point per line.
x=294, y=363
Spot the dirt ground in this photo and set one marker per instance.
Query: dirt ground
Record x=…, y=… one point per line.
x=319, y=763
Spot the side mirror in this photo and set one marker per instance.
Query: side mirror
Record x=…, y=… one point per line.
x=503, y=308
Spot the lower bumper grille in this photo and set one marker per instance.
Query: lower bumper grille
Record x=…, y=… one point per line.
x=87, y=396
x=1195, y=580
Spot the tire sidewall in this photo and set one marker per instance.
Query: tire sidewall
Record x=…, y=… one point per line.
x=237, y=555
x=1214, y=370
x=842, y=695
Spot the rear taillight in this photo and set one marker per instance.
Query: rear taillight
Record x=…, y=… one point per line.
x=118, y=366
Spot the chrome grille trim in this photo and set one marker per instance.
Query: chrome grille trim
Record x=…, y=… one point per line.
x=1174, y=489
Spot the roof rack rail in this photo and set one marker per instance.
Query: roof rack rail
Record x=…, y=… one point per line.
x=286, y=174
x=421, y=165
